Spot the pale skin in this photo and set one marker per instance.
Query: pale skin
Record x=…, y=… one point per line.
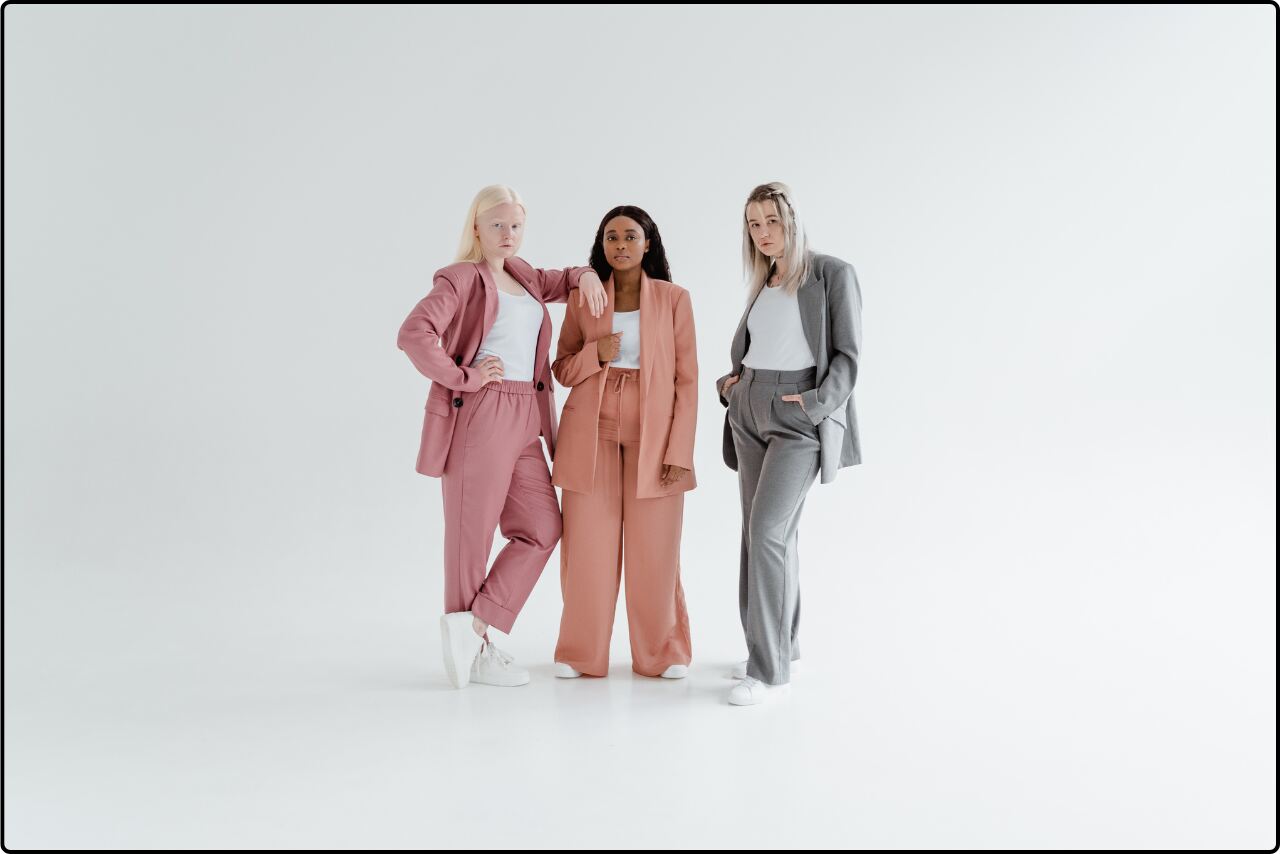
x=624, y=247
x=500, y=230
x=767, y=232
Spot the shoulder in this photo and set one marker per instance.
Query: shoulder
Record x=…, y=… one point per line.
x=828, y=265
x=833, y=272
x=669, y=290
x=461, y=273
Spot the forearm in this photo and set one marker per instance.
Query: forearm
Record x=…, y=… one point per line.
x=420, y=338
x=570, y=369
x=556, y=284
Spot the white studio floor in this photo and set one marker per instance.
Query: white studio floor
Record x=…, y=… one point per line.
x=923, y=727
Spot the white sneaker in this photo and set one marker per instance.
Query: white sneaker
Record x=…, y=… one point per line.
x=492, y=666
x=676, y=671
x=751, y=690
x=564, y=671
x=460, y=644
x=739, y=670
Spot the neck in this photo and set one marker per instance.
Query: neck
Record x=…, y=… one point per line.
x=779, y=266
x=495, y=264
x=626, y=280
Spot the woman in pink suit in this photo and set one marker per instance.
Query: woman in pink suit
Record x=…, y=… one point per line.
x=482, y=336
x=624, y=458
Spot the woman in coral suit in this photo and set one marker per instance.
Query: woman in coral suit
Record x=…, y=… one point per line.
x=624, y=457
x=482, y=336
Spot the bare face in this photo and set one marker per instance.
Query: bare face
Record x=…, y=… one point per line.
x=765, y=227
x=624, y=243
x=500, y=230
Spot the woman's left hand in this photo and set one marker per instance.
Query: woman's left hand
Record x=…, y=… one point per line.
x=671, y=474
x=794, y=397
x=591, y=292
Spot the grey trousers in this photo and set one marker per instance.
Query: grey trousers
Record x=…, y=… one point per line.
x=778, y=460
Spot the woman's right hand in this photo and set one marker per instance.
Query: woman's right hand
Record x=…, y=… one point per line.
x=607, y=347
x=724, y=392
x=490, y=368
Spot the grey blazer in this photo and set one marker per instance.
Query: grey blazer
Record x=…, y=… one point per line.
x=831, y=314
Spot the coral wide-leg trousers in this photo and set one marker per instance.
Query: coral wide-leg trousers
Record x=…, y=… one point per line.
x=606, y=526
x=496, y=475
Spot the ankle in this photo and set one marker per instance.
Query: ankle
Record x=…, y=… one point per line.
x=480, y=627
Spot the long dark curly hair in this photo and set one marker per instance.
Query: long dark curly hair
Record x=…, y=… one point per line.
x=654, y=262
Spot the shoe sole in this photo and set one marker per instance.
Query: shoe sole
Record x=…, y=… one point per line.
x=500, y=684
x=773, y=694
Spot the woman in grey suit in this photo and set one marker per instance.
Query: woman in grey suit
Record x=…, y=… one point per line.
x=790, y=419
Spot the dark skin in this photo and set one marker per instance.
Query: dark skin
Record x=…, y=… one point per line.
x=624, y=248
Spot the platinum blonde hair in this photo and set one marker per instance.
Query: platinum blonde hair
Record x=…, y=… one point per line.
x=796, y=254
x=489, y=197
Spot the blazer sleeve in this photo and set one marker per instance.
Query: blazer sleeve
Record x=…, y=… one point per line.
x=554, y=285
x=575, y=359
x=685, y=420
x=422, y=330
x=844, y=304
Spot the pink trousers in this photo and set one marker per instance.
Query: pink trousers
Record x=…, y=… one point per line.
x=599, y=529
x=496, y=475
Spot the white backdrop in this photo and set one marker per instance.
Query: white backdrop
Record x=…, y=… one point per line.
x=1042, y=613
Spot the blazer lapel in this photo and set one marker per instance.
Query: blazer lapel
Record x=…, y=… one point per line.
x=742, y=337
x=490, y=297
x=648, y=331
x=810, y=300
x=604, y=323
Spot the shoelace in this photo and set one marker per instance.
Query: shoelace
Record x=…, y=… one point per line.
x=498, y=656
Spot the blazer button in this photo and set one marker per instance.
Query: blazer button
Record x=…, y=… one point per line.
x=457, y=360
x=457, y=401
x=539, y=385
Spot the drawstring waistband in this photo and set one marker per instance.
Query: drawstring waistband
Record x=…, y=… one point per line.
x=624, y=374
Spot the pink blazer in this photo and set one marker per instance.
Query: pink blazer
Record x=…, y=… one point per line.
x=668, y=383
x=443, y=332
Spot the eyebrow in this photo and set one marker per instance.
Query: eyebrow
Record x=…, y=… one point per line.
x=629, y=231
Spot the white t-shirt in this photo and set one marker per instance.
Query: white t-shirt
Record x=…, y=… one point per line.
x=777, y=336
x=628, y=323
x=513, y=338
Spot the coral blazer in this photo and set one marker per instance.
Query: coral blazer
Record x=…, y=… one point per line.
x=668, y=384
x=443, y=332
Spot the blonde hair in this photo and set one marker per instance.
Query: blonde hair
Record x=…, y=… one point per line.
x=489, y=197
x=796, y=254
